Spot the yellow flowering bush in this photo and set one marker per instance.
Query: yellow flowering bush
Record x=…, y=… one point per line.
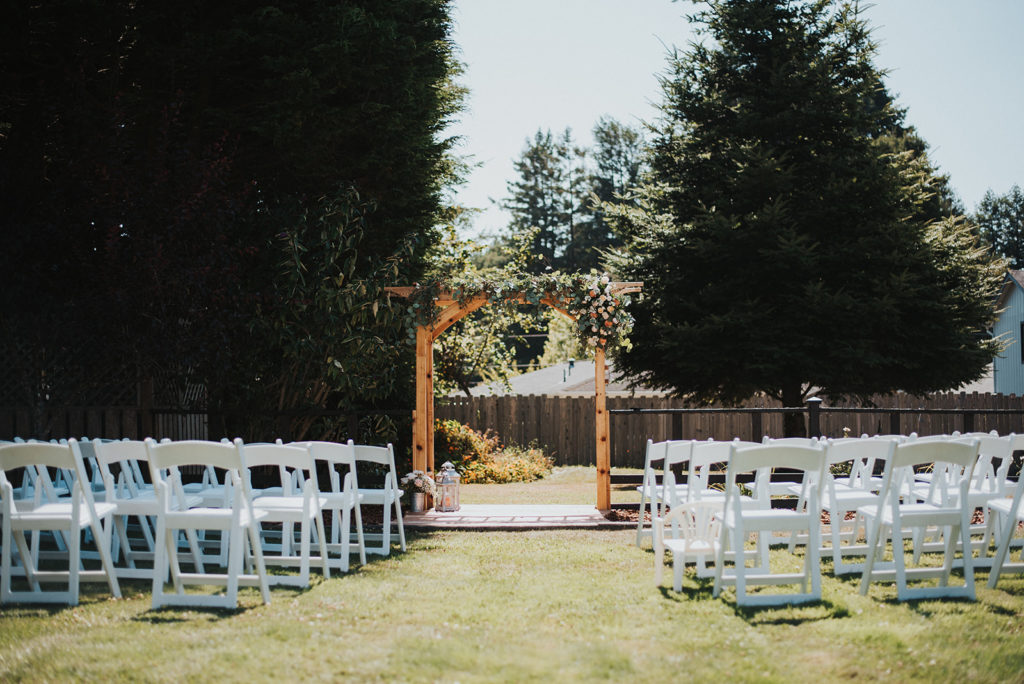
x=481, y=458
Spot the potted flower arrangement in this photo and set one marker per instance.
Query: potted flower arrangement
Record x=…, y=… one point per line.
x=418, y=484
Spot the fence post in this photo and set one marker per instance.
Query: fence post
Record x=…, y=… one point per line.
x=894, y=423
x=755, y=427
x=814, y=417
x=968, y=422
x=677, y=426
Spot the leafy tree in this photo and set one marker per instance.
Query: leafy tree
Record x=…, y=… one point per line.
x=486, y=345
x=784, y=246
x=1000, y=219
x=151, y=155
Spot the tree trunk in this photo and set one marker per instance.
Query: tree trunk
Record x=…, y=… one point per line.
x=793, y=424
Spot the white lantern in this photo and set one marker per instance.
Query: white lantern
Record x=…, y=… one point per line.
x=447, y=498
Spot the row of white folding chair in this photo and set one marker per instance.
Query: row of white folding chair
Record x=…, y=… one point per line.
x=71, y=517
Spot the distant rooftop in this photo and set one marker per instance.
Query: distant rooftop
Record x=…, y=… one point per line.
x=561, y=380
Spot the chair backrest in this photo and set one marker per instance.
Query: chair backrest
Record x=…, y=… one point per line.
x=378, y=455
x=127, y=454
x=170, y=456
x=987, y=475
x=288, y=458
x=41, y=455
x=863, y=453
x=790, y=441
x=808, y=459
x=334, y=454
x=952, y=462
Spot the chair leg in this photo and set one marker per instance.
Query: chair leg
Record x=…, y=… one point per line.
x=102, y=535
x=322, y=542
x=1001, y=551
x=345, y=533
x=401, y=525
x=74, y=562
x=235, y=542
x=260, y=562
x=304, y=552
x=385, y=532
x=360, y=539
x=874, y=532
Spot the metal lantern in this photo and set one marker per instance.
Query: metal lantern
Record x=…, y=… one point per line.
x=447, y=489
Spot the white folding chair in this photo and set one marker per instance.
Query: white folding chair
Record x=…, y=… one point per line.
x=898, y=510
x=738, y=522
x=671, y=492
x=290, y=507
x=135, y=498
x=988, y=481
x=1005, y=514
x=839, y=497
x=388, y=495
x=343, y=501
x=654, y=457
x=70, y=517
x=237, y=523
x=694, y=528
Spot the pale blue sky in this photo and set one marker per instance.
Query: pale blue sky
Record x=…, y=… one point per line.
x=956, y=65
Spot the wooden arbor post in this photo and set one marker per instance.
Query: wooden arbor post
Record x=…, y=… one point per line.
x=451, y=311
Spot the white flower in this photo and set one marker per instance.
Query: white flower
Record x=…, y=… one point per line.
x=605, y=315
x=604, y=280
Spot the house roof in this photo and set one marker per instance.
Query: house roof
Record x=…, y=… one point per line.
x=1012, y=278
x=560, y=380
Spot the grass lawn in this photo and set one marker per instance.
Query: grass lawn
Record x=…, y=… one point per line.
x=564, y=605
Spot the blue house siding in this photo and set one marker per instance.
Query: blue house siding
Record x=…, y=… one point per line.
x=1008, y=367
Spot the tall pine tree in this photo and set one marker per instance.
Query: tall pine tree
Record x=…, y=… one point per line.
x=784, y=244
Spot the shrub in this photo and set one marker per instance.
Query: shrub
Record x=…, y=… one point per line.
x=480, y=457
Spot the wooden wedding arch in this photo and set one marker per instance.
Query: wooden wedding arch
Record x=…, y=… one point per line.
x=453, y=310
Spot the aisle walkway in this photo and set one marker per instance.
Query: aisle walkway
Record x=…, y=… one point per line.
x=515, y=517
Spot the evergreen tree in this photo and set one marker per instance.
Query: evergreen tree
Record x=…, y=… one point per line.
x=784, y=246
x=539, y=199
x=1000, y=219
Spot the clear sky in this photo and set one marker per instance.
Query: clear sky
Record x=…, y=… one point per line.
x=957, y=66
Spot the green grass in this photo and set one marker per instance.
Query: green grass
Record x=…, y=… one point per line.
x=537, y=606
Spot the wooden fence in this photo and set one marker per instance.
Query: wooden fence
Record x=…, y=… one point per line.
x=564, y=426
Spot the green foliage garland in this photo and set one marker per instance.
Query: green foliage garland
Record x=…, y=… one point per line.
x=601, y=316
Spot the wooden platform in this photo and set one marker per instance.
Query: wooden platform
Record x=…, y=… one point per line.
x=515, y=517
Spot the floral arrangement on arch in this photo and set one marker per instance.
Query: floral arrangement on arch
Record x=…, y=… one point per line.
x=418, y=481
x=600, y=314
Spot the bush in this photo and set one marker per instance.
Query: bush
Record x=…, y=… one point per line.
x=480, y=457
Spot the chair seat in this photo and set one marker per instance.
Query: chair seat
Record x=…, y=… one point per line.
x=683, y=547
x=44, y=515
x=211, y=518
x=769, y=519
x=339, y=499
x=145, y=504
x=377, y=497
x=290, y=507
x=1001, y=505
x=915, y=512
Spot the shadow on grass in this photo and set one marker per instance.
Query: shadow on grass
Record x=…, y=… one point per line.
x=701, y=589
x=792, y=614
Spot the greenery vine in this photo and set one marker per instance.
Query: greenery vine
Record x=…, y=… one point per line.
x=601, y=316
